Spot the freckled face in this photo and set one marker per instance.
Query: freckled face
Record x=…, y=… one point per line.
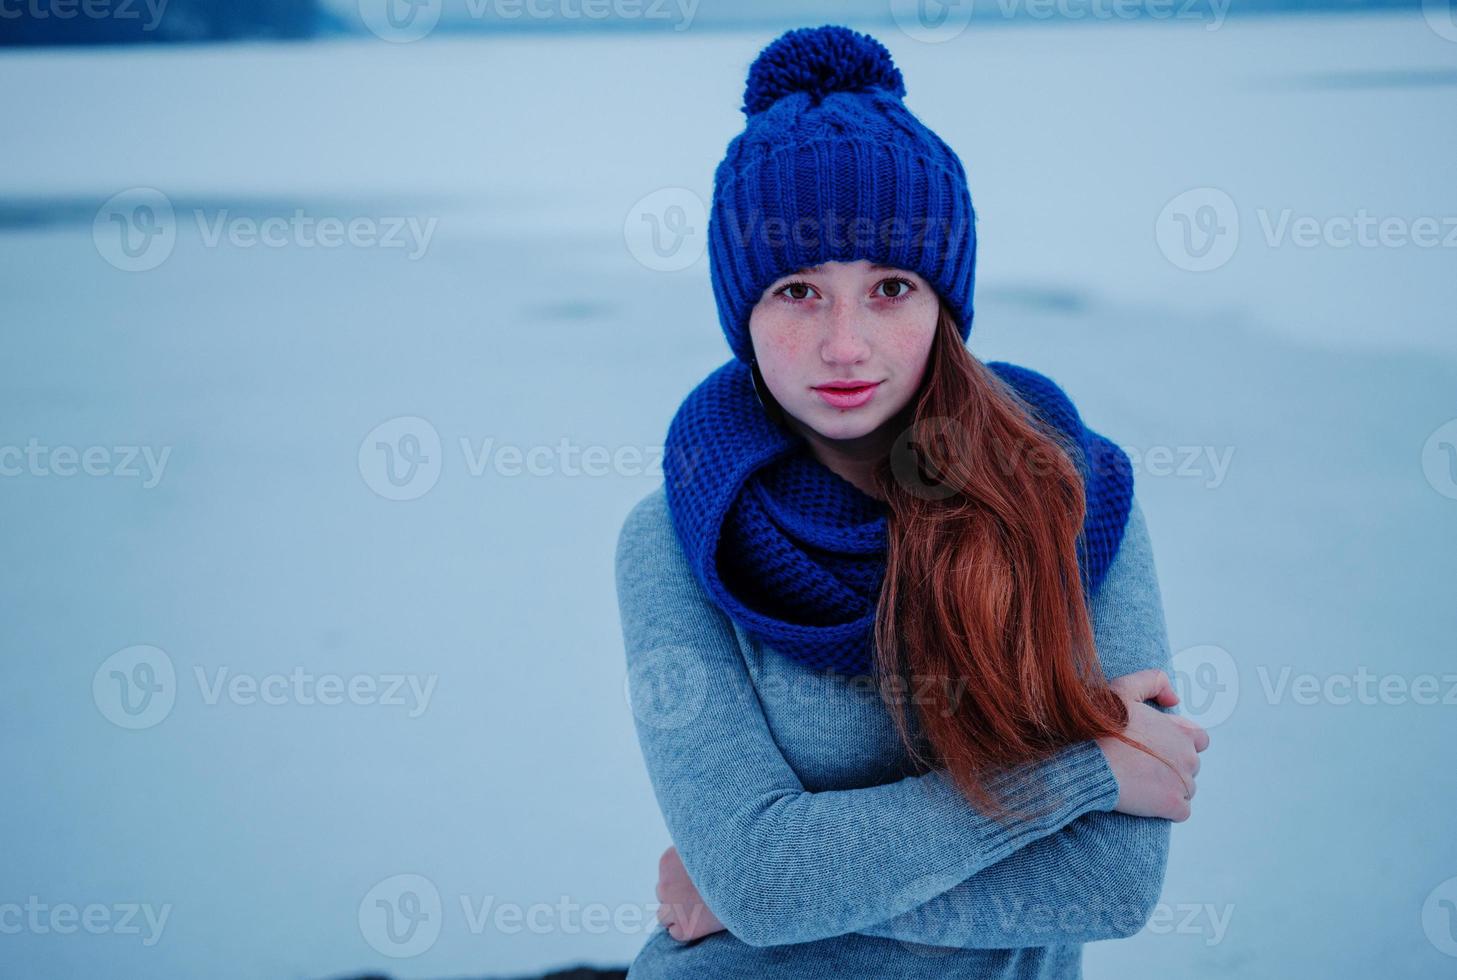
x=844, y=321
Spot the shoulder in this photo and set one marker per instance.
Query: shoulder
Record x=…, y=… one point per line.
x=646, y=525
x=1045, y=395
x=649, y=559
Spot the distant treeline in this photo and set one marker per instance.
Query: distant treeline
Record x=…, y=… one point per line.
x=47, y=22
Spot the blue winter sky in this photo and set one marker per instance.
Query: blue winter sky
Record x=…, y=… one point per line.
x=329, y=369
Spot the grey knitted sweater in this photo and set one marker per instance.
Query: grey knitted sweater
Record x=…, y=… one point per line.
x=802, y=822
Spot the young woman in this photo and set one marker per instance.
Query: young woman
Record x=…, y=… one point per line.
x=896, y=649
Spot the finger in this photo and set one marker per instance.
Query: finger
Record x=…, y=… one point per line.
x=1167, y=696
x=1144, y=684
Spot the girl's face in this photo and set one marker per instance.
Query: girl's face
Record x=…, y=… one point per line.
x=844, y=322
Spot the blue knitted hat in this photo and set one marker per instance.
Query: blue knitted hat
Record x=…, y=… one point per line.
x=832, y=166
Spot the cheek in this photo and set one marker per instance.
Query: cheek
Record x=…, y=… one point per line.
x=779, y=350
x=910, y=348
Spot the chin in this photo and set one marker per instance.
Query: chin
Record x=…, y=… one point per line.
x=835, y=424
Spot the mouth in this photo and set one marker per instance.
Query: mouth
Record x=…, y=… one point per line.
x=847, y=394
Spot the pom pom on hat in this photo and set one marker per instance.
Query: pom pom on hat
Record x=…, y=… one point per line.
x=820, y=60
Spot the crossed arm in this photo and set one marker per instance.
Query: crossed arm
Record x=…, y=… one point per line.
x=911, y=859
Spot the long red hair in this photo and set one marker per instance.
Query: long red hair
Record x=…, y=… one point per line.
x=982, y=623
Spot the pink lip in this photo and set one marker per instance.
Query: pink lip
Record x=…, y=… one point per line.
x=847, y=394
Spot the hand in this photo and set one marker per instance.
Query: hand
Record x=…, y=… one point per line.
x=683, y=910
x=1147, y=787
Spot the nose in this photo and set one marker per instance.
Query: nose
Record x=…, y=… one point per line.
x=843, y=343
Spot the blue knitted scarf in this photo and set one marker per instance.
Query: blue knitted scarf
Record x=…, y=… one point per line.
x=793, y=552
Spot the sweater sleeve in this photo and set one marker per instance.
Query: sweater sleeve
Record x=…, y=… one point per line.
x=775, y=862
x=1100, y=876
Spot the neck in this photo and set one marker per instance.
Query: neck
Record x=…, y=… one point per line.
x=855, y=460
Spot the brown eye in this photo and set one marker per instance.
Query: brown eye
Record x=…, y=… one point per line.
x=902, y=287
x=792, y=290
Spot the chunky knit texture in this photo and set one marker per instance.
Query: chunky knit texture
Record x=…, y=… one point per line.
x=831, y=166
x=796, y=554
x=810, y=834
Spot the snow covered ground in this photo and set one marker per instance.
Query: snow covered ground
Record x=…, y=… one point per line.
x=192, y=447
